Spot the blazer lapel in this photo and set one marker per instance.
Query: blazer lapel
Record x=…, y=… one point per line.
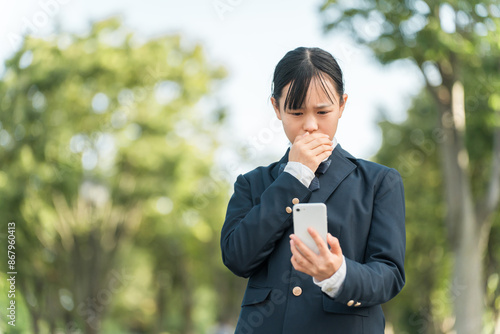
x=340, y=168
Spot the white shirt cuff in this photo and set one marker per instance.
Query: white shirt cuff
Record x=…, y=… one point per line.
x=303, y=173
x=331, y=286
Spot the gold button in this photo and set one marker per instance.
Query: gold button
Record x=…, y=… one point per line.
x=297, y=291
x=295, y=200
x=357, y=304
x=288, y=209
x=350, y=303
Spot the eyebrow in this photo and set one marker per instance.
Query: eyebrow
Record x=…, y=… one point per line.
x=321, y=105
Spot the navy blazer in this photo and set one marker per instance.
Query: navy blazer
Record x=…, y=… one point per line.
x=366, y=212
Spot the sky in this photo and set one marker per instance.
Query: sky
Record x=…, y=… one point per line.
x=248, y=38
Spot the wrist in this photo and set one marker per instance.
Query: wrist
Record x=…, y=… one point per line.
x=323, y=276
x=311, y=165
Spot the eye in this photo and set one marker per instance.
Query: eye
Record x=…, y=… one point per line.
x=295, y=113
x=324, y=112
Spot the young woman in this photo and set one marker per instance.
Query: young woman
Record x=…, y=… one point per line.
x=291, y=289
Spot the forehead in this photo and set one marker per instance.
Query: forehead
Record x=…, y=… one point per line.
x=320, y=93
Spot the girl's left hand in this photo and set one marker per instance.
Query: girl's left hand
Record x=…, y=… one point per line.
x=320, y=266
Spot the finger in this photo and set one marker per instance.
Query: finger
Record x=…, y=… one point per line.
x=304, y=136
x=317, y=153
x=301, y=137
x=294, y=262
x=323, y=248
x=296, y=251
x=304, y=252
x=297, y=266
x=297, y=255
x=325, y=148
x=299, y=263
x=307, y=137
x=325, y=154
x=334, y=245
x=311, y=142
x=320, y=135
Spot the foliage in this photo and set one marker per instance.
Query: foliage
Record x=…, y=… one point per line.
x=107, y=146
x=412, y=147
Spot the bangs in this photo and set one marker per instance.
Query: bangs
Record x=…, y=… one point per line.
x=297, y=92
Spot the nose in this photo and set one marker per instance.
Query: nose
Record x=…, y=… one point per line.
x=310, y=124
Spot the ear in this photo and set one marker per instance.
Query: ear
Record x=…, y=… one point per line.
x=276, y=107
x=342, y=106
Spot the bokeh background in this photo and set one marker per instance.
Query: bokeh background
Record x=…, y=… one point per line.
x=124, y=124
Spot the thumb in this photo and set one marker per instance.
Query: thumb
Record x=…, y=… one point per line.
x=299, y=137
x=334, y=245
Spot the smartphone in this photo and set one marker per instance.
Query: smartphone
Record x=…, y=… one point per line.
x=310, y=215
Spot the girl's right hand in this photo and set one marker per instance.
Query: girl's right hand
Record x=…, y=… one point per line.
x=311, y=149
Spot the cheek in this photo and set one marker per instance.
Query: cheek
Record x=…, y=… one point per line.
x=330, y=124
x=289, y=122
x=291, y=127
x=329, y=121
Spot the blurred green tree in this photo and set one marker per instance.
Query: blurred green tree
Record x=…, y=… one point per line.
x=107, y=146
x=412, y=148
x=455, y=45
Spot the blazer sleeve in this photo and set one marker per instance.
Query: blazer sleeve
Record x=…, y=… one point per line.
x=382, y=275
x=252, y=228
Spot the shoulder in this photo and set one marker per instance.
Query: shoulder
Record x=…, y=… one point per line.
x=372, y=170
x=373, y=167
x=265, y=173
x=380, y=176
x=255, y=182
x=260, y=172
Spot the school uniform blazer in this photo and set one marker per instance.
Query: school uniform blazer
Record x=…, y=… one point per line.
x=366, y=212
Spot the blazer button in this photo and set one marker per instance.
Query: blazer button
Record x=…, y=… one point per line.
x=350, y=303
x=297, y=291
x=357, y=304
x=288, y=209
x=295, y=200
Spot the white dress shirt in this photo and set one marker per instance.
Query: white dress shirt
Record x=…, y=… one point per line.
x=331, y=286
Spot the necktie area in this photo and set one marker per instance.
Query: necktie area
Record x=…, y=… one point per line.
x=322, y=168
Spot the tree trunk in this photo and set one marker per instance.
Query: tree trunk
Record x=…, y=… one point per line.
x=34, y=321
x=33, y=311
x=163, y=283
x=467, y=287
x=187, y=300
x=463, y=228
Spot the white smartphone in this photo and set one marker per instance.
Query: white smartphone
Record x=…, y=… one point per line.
x=310, y=215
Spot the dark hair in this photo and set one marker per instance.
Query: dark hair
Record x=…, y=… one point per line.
x=299, y=67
